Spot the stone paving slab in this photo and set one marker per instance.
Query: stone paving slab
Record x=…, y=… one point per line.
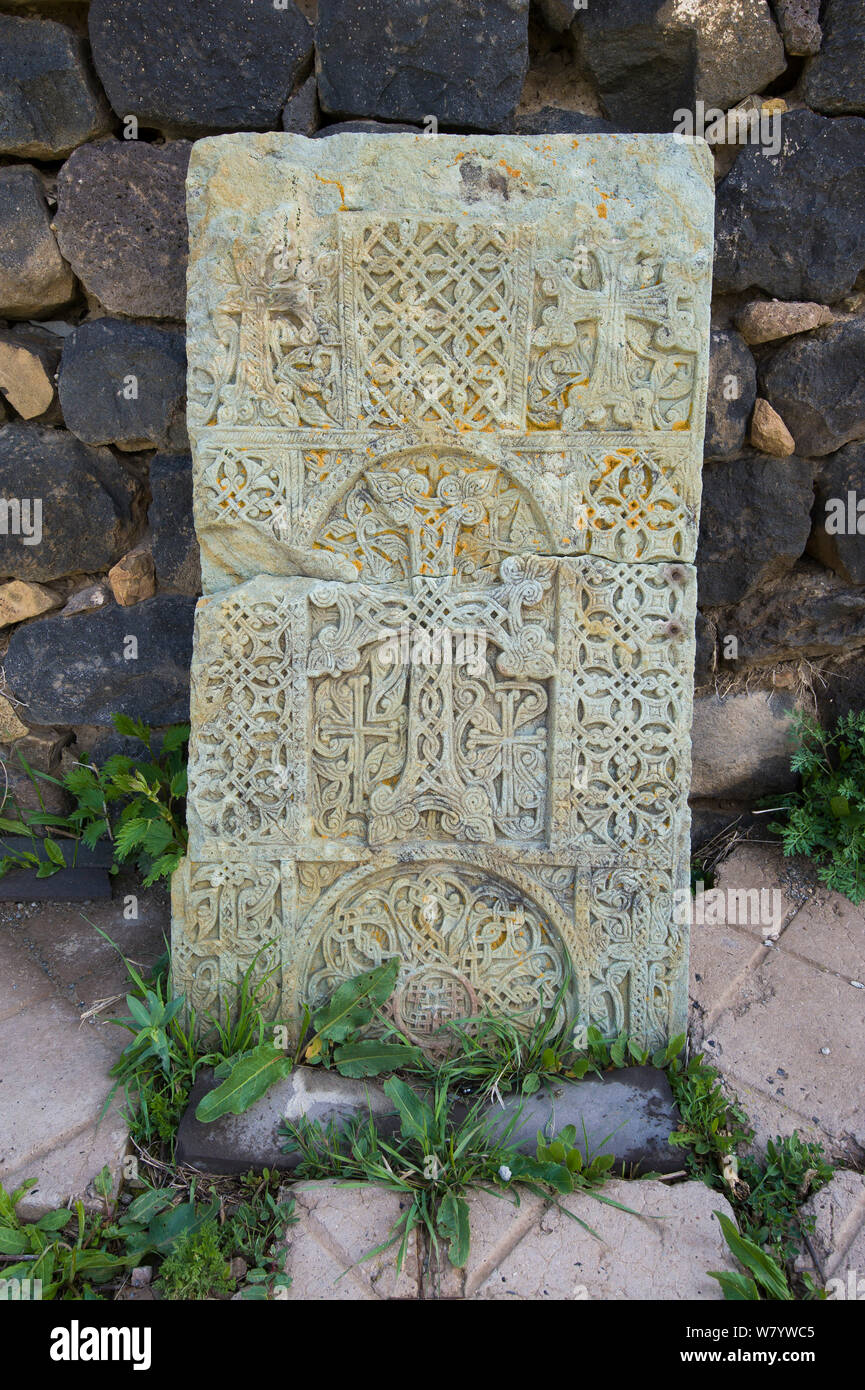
x=661, y=1249
x=55, y=1065
x=337, y=1226
x=839, y=1224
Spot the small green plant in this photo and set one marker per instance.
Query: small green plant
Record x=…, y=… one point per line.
x=152, y=794
x=713, y=1124
x=44, y=855
x=197, y=1267
x=765, y=1277
x=64, y=1250
x=254, y=1231
x=793, y=1170
x=825, y=818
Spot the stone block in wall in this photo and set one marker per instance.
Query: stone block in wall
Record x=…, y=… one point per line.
x=754, y=524
x=732, y=391
x=809, y=613
x=838, y=537
x=461, y=61
x=81, y=670
x=741, y=746
x=34, y=278
x=174, y=545
x=644, y=71
x=66, y=507
x=794, y=225
x=50, y=100
x=817, y=385
x=125, y=384
x=834, y=80
x=121, y=223
x=29, y=358
x=208, y=66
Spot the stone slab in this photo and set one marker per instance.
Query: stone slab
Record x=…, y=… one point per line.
x=758, y=1042
x=337, y=1226
x=838, y=1210
x=419, y=406
x=629, y=1113
x=661, y=1249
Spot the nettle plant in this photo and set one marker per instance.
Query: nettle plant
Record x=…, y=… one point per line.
x=139, y=804
x=825, y=818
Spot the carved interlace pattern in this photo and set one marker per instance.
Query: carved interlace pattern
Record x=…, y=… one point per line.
x=447, y=492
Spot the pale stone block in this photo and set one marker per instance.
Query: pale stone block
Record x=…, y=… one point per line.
x=337, y=1227
x=446, y=403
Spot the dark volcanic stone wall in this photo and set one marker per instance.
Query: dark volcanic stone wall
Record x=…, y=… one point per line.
x=98, y=105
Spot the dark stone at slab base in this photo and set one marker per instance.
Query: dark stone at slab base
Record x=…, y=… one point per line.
x=34, y=278
x=462, y=61
x=84, y=880
x=49, y=101
x=82, y=670
x=121, y=222
x=732, y=392
x=644, y=73
x=207, y=65
x=816, y=382
x=838, y=537
x=86, y=498
x=125, y=384
x=835, y=79
x=175, y=545
x=629, y=1113
x=754, y=524
x=795, y=224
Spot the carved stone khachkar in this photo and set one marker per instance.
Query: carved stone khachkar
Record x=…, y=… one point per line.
x=446, y=402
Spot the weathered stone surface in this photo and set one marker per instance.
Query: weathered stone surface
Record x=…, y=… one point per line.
x=557, y=120
x=838, y=537
x=660, y=1248
x=20, y=600
x=125, y=384
x=301, y=114
x=768, y=432
x=460, y=61
x=121, y=224
x=93, y=673
x=237, y=1143
x=11, y=727
x=732, y=391
x=34, y=278
x=133, y=578
x=87, y=600
x=644, y=71
x=755, y=523
x=764, y=321
x=795, y=225
x=808, y=613
x=741, y=746
x=799, y=22
x=722, y=29
x=817, y=386
x=629, y=1113
x=215, y=65
x=27, y=368
x=838, y=1213
x=49, y=100
x=364, y=128
x=174, y=545
x=66, y=507
x=336, y=1228
x=835, y=80
x=441, y=474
